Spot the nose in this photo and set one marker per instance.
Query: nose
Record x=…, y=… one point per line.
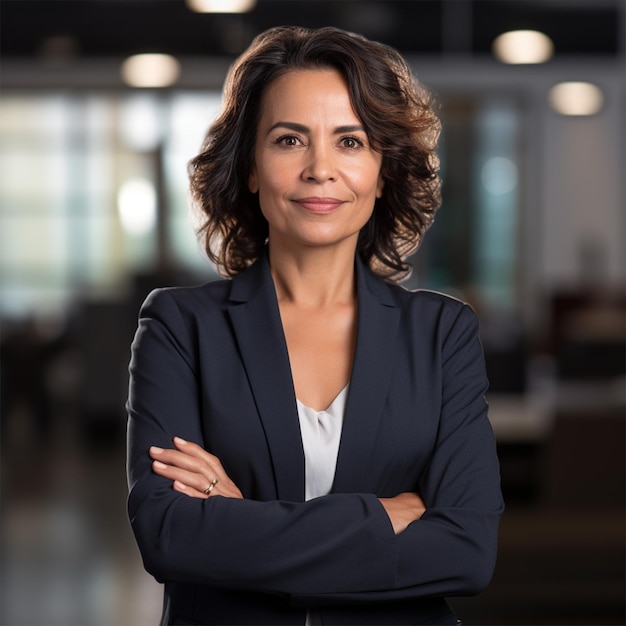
x=320, y=165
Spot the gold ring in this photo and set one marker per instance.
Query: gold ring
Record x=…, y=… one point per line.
x=209, y=489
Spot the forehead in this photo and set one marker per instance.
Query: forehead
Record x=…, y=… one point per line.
x=307, y=93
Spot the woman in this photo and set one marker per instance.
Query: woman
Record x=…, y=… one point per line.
x=307, y=440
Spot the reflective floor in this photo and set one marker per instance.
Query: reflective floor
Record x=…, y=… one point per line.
x=68, y=556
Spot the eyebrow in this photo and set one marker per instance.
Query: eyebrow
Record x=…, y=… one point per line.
x=301, y=128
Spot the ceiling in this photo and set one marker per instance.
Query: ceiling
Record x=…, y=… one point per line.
x=117, y=28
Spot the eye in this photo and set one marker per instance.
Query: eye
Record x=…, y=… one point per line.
x=288, y=140
x=352, y=143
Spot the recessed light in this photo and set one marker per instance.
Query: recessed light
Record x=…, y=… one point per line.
x=221, y=6
x=523, y=47
x=576, y=98
x=150, y=70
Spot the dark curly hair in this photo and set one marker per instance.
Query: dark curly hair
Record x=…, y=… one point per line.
x=398, y=117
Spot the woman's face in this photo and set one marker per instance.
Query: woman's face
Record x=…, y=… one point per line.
x=315, y=172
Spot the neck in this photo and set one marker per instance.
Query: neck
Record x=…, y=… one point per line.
x=313, y=276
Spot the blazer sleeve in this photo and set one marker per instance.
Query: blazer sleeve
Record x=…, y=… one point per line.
x=276, y=547
x=451, y=550
x=335, y=549
x=461, y=486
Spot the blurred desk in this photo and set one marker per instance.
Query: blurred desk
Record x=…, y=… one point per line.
x=566, y=439
x=519, y=418
x=522, y=425
x=530, y=417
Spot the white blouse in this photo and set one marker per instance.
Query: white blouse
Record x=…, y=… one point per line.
x=321, y=432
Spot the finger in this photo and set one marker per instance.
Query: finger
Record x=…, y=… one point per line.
x=224, y=490
x=191, y=479
x=201, y=467
x=197, y=451
x=189, y=491
x=186, y=461
x=197, y=482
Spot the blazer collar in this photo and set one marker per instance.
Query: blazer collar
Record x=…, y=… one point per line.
x=256, y=321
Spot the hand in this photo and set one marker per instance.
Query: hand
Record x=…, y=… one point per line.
x=193, y=470
x=403, y=509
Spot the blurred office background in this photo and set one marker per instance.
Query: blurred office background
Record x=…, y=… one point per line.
x=94, y=214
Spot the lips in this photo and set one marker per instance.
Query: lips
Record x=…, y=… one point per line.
x=319, y=205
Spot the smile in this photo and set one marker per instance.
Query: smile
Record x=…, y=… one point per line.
x=319, y=205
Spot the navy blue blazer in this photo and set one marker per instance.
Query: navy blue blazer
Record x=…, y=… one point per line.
x=210, y=364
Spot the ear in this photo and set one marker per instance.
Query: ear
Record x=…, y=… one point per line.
x=253, y=185
x=380, y=186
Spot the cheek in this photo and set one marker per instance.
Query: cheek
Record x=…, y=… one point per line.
x=271, y=191
x=371, y=183
x=369, y=176
x=271, y=177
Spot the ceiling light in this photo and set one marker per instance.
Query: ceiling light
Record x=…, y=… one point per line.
x=576, y=98
x=150, y=70
x=221, y=6
x=523, y=46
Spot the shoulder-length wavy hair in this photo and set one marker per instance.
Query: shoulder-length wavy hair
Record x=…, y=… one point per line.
x=398, y=117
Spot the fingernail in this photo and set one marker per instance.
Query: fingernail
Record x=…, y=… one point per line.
x=155, y=450
x=179, y=440
x=159, y=465
x=180, y=485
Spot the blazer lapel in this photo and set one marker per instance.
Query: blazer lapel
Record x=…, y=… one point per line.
x=255, y=316
x=256, y=321
x=377, y=330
